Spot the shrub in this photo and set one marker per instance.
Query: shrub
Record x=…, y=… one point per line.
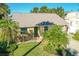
x=3, y=46
x=57, y=39
x=49, y=48
x=11, y=48
x=7, y=49
x=76, y=36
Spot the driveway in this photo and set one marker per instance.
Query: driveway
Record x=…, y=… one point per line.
x=73, y=43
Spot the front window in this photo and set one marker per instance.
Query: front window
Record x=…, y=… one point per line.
x=45, y=28
x=23, y=30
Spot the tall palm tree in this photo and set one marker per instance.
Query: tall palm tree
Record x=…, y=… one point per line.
x=4, y=10
x=35, y=10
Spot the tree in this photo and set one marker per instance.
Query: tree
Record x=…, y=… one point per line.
x=4, y=10
x=8, y=31
x=43, y=9
x=51, y=10
x=35, y=10
x=57, y=39
x=60, y=11
x=76, y=36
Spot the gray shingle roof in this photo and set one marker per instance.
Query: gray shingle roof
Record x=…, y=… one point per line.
x=31, y=19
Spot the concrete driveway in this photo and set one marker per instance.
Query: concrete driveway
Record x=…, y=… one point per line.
x=73, y=43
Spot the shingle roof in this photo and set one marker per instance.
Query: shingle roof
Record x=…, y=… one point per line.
x=31, y=19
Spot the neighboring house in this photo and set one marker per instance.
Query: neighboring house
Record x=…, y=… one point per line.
x=73, y=19
x=37, y=23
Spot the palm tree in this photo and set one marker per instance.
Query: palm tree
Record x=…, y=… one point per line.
x=35, y=10
x=4, y=10
x=8, y=31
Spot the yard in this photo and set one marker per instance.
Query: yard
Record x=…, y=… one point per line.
x=29, y=49
x=24, y=48
x=39, y=51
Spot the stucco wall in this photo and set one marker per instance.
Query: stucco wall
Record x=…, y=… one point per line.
x=30, y=29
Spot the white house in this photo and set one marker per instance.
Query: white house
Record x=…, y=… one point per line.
x=73, y=19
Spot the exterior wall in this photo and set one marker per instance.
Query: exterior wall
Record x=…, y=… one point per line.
x=41, y=30
x=65, y=28
x=30, y=29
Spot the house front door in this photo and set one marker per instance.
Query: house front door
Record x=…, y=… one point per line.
x=35, y=31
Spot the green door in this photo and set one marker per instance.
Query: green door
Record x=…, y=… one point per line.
x=35, y=31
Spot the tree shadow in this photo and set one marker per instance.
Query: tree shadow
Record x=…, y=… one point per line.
x=32, y=48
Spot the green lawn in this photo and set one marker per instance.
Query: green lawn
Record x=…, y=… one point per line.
x=39, y=51
x=23, y=48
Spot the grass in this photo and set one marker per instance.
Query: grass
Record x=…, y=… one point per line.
x=23, y=48
x=39, y=51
